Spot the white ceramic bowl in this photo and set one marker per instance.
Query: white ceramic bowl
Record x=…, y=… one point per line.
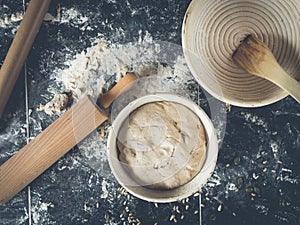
x=155, y=195
x=212, y=30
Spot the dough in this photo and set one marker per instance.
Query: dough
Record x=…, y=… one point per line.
x=56, y=105
x=162, y=145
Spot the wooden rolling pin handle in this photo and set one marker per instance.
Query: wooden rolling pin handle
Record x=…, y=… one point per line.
x=49, y=146
x=106, y=99
x=20, y=48
x=55, y=141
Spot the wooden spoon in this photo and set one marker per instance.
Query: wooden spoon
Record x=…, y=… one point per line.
x=256, y=58
x=56, y=140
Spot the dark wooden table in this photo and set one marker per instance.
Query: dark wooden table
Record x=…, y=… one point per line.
x=257, y=176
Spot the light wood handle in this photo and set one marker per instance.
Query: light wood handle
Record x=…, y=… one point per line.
x=49, y=146
x=106, y=99
x=278, y=76
x=20, y=48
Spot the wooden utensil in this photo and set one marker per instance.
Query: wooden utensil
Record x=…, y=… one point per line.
x=20, y=48
x=56, y=140
x=256, y=58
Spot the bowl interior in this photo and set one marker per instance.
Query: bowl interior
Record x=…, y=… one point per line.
x=154, y=195
x=212, y=30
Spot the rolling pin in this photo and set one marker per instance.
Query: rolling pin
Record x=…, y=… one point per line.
x=20, y=48
x=56, y=140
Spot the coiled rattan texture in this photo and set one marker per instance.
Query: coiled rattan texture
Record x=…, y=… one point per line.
x=212, y=30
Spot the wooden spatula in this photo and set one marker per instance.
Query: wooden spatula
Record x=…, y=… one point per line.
x=256, y=58
x=56, y=140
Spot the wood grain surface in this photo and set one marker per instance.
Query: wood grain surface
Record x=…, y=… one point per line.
x=49, y=146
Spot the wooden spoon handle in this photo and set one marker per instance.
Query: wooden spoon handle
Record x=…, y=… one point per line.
x=286, y=82
x=20, y=48
x=271, y=70
x=54, y=142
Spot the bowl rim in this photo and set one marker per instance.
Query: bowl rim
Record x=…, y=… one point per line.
x=221, y=97
x=163, y=196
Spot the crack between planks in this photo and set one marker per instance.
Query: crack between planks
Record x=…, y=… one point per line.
x=200, y=208
x=27, y=127
x=27, y=140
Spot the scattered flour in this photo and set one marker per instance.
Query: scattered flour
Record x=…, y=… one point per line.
x=104, y=189
x=262, y=209
x=22, y=219
x=11, y=20
x=86, y=73
x=70, y=16
x=286, y=175
x=112, y=1
x=255, y=120
x=231, y=187
x=274, y=148
x=39, y=210
x=13, y=136
x=214, y=180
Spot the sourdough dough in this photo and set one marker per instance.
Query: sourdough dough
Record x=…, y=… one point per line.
x=56, y=105
x=162, y=145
